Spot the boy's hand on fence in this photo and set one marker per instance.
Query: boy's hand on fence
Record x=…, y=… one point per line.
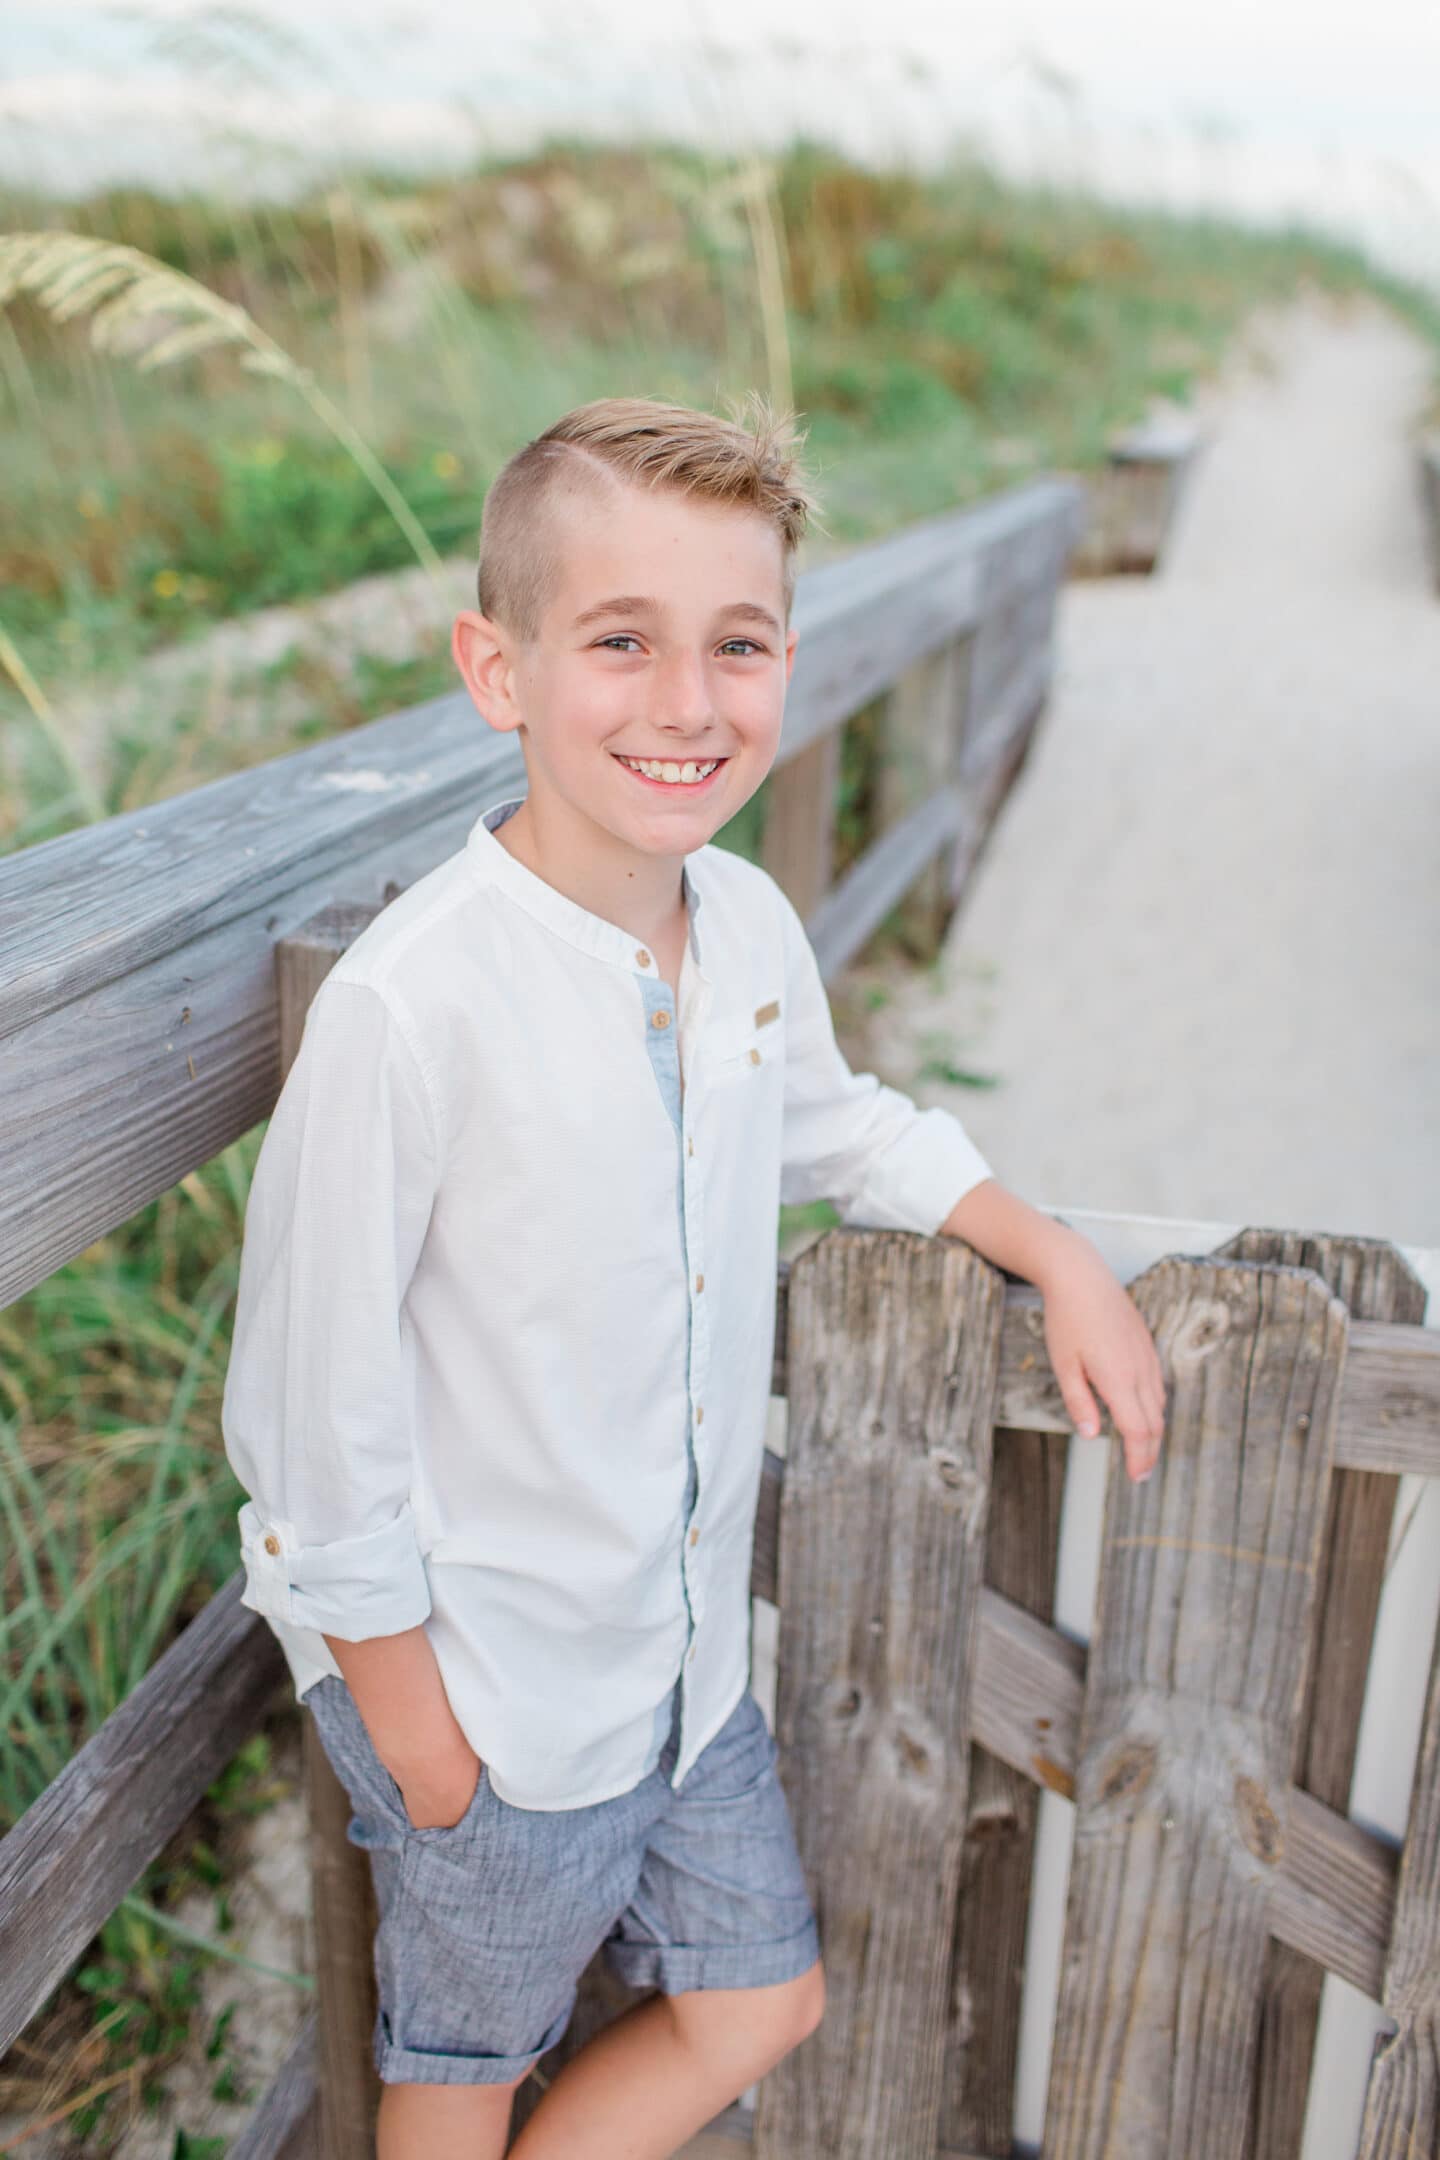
x=1098, y=1340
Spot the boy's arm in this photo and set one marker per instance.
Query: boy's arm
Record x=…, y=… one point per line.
x=316, y=1411
x=886, y=1164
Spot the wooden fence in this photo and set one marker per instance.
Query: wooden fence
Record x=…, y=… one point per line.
x=1134, y=498
x=153, y=970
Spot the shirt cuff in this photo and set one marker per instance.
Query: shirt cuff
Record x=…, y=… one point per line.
x=920, y=1176
x=352, y=1587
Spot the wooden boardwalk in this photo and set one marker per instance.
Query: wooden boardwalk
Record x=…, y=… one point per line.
x=1202, y=948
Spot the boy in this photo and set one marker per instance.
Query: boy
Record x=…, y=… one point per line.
x=506, y=1310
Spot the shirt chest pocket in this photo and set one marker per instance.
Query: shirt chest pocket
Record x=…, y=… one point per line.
x=747, y=1048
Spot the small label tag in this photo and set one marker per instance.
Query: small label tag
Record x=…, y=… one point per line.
x=767, y=1012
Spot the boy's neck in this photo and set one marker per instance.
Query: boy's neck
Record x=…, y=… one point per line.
x=643, y=895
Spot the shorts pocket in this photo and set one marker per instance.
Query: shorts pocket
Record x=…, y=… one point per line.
x=442, y=1833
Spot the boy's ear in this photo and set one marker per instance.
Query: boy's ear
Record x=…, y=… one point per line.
x=484, y=663
x=790, y=643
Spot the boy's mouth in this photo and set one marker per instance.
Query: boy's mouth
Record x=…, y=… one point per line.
x=676, y=785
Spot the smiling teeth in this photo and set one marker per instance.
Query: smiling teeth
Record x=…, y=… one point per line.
x=687, y=773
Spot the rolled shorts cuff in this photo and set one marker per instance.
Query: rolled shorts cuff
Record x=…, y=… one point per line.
x=398, y=2065
x=674, y=1967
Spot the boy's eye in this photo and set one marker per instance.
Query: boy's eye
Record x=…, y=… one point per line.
x=623, y=637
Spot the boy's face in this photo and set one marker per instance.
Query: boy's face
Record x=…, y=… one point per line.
x=664, y=639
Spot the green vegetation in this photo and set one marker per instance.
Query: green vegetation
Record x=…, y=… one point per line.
x=941, y=338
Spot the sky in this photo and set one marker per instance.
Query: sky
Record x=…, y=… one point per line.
x=1265, y=108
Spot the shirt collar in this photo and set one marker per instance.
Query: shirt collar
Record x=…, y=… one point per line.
x=494, y=864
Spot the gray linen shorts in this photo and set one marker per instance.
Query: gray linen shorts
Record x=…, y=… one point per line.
x=486, y=1925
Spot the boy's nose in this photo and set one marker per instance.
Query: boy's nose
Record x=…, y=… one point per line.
x=685, y=690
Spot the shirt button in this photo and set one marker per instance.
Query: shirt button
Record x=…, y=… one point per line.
x=694, y=1537
x=689, y=1654
x=754, y=1057
x=699, y=1416
x=272, y=1543
x=690, y=1146
x=660, y=1018
x=643, y=957
x=699, y=1282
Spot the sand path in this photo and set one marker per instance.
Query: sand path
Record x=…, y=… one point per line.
x=1199, y=953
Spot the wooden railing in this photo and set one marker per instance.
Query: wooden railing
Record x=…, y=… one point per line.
x=154, y=972
x=1135, y=495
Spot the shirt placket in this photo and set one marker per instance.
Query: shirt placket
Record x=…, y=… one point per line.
x=661, y=1033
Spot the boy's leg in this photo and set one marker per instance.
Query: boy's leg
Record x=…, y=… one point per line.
x=655, y=2076
x=444, y=2122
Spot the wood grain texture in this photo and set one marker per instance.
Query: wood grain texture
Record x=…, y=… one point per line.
x=922, y=730
x=992, y=1908
x=1375, y=1284
x=894, y=1354
x=797, y=844
x=1402, y=2104
x=285, y=2122
x=1389, y=1398
x=1192, y=1702
x=344, y=1908
x=68, y=1861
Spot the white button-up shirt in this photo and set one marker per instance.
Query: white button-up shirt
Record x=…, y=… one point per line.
x=506, y=1308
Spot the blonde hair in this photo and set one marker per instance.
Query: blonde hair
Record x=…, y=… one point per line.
x=750, y=459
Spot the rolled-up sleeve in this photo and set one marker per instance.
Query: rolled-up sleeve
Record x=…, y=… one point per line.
x=317, y=1406
x=882, y=1161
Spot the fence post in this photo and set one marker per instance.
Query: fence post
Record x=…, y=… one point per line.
x=797, y=844
x=893, y=1366
x=1402, y=2104
x=1192, y=1702
x=343, y=1907
x=1376, y=1283
x=921, y=732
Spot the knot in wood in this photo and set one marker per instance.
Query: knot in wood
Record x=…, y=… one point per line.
x=910, y=1754
x=1259, y=1824
x=951, y=1471
x=1128, y=1771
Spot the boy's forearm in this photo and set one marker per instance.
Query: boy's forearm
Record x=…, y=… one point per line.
x=1010, y=1233
x=399, y=1693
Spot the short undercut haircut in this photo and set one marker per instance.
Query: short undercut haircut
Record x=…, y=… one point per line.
x=749, y=460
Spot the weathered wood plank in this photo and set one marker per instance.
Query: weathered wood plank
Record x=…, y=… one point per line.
x=922, y=730
x=1193, y=1694
x=859, y=902
x=1134, y=499
x=343, y=1902
x=73, y=1854
x=285, y=2124
x=894, y=1351
x=1402, y=2105
x=1389, y=1398
x=992, y=1907
x=797, y=843
x=1375, y=1284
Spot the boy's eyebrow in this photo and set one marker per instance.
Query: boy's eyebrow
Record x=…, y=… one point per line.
x=641, y=604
